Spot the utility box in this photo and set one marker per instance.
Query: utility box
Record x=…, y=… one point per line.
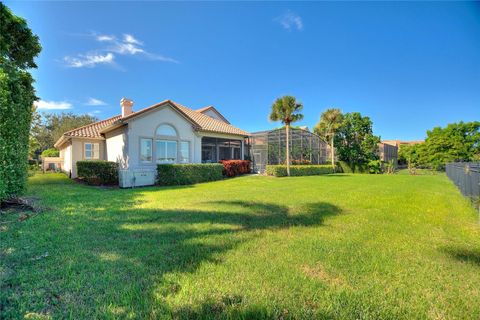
x=136, y=178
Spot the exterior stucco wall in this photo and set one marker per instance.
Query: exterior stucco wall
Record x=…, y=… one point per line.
x=66, y=154
x=78, y=152
x=145, y=126
x=116, y=146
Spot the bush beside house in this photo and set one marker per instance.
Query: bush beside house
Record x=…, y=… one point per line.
x=232, y=168
x=298, y=170
x=98, y=172
x=181, y=174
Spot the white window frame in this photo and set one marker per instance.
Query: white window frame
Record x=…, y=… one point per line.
x=95, y=146
x=166, y=141
x=180, y=152
x=151, y=150
x=169, y=126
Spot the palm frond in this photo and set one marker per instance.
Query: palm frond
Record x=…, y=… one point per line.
x=286, y=109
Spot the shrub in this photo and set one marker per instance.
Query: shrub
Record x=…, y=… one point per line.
x=375, y=167
x=299, y=170
x=52, y=152
x=346, y=167
x=389, y=167
x=301, y=162
x=180, y=174
x=232, y=168
x=98, y=172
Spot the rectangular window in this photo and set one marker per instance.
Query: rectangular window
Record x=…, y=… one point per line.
x=146, y=150
x=166, y=151
x=184, y=152
x=92, y=151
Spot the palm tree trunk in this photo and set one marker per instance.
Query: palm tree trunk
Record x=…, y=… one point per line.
x=332, y=152
x=287, y=127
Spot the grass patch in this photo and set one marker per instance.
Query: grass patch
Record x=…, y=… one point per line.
x=335, y=246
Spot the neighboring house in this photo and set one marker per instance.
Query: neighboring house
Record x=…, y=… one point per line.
x=387, y=152
x=398, y=143
x=268, y=147
x=166, y=132
x=388, y=149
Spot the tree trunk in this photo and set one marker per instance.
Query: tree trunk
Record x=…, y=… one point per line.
x=287, y=127
x=332, y=152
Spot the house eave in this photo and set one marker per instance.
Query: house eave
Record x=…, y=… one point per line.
x=224, y=133
x=112, y=127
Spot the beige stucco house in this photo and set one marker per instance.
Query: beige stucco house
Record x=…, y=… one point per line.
x=166, y=132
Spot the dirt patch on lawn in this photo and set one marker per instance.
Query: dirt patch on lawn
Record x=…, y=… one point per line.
x=17, y=210
x=320, y=273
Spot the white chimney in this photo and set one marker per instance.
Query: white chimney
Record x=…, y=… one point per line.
x=126, y=105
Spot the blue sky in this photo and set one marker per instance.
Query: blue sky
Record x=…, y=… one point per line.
x=408, y=66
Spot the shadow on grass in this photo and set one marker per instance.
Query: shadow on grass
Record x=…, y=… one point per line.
x=464, y=254
x=106, y=251
x=236, y=307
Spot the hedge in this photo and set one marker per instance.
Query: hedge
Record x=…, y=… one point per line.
x=18, y=49
x=181, y=174
x=232, y=168
x=16, y=99
x=98, y=172
x=299, y=170
x=346, y=167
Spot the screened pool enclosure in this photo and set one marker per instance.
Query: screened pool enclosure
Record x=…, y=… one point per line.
x=268, y=147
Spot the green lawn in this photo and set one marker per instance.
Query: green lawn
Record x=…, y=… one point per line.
x=339, y=246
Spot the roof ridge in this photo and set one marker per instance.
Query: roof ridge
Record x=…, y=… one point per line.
x=209, y=119
x=92, y=124
x=204, y=108
x=199, y=121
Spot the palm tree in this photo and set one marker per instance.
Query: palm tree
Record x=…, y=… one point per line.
x=330, y=121
x=287, y=110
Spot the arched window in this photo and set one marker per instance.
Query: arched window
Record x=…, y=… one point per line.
x=166, y=144
x=166, y=130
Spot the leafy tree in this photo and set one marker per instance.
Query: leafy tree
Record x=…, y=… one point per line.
x=51, y=152
x=50, y=127
x=287, y=110
x=326, y=128
x=355, y=141
x=18, y=48
x=413, y=155
x=456, y=142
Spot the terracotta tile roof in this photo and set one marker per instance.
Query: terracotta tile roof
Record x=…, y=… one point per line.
x=200, y=122
x=202, y=110
x=207, y=123
x=92, y=130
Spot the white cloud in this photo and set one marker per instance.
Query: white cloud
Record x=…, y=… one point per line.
x=95, y=102
x=153, y=56
x=88, y=60
x=131, y=39
x=94, y=112
x=126, y=45
x=52, y=105
x=126, y=48
x=290, y=20
x=104, y=37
